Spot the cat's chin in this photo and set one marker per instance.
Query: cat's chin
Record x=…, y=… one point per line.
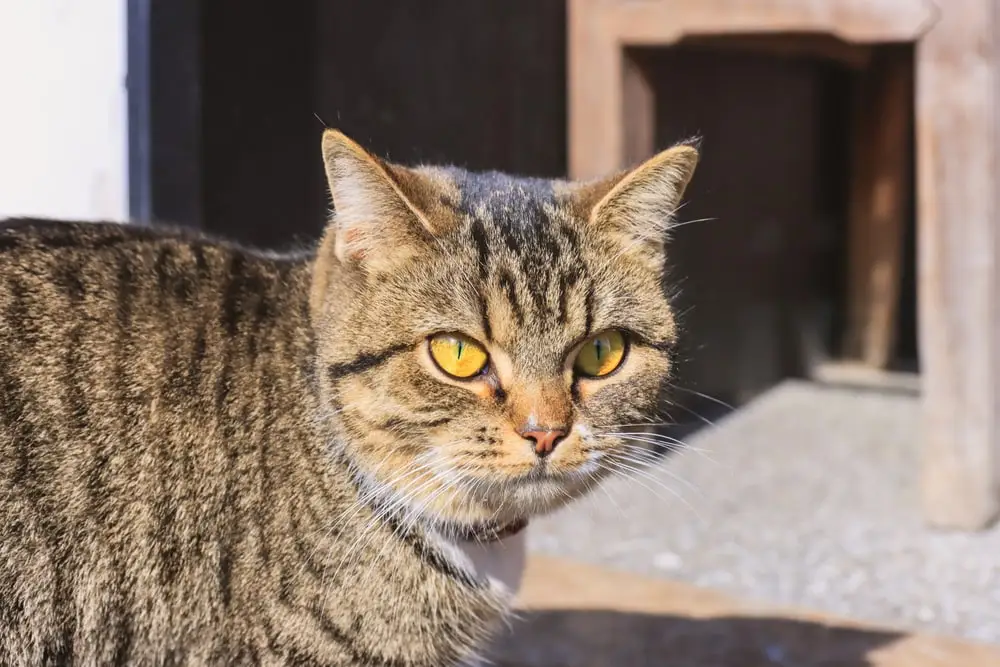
x=487, y=499
x=530, y=496
x=547, y=494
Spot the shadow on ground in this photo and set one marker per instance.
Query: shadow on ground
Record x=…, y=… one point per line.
x=594, y=638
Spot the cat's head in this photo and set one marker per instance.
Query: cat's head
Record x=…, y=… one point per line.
x=483, y=337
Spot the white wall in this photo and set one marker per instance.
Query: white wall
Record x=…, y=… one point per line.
x=63, y=114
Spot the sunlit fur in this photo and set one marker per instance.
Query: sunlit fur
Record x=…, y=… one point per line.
x=528, y=268
x=212, y=455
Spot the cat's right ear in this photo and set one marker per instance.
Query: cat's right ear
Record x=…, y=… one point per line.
x=638, y=205
x=378, y=222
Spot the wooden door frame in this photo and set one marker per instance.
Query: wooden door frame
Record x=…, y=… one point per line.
x=611, y=107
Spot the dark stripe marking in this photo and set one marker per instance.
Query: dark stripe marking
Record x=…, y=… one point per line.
x=401, y=424
x=233, y=295
x=364, y=362
x=67, y=277
x=563, y=297
x=482, y=259
x=125, y=294
x=12, y=412
x=16, y=316
x=161, y=268
x=482, y=246
x=507, y=284
x=484, y=318
x=76, y=398
x=9, y=242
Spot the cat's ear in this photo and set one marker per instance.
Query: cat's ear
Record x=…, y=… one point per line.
x=640, y=204
x=379, y=221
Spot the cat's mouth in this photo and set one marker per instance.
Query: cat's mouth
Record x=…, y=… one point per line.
x=545, y=472
x=542, y=489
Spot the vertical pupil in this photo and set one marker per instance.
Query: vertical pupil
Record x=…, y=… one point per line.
x=460, y=348
x=599, y=346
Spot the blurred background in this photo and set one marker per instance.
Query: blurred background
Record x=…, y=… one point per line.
x=208, y=114
x=800, y=344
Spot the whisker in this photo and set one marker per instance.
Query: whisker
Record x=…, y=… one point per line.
x=412, y=513
x=650, y=424
x=658, y=439
x=648, y=460
x=669, y=445
x=690, y=222
x=645, y=464
x=705, y=396
x=593, y=483
x=401, y=496
x=360, y=502
x=703, y=419
x=377, y=488
x=638, y=476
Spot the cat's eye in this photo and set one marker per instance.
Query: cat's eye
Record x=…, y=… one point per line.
x=457, y=355
x=601, y=354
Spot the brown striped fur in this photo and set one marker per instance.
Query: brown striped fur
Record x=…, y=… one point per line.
x=214, y=455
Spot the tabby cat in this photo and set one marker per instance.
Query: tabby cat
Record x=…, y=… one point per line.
x=211, y=455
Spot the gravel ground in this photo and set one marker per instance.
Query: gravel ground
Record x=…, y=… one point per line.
x=807, y=496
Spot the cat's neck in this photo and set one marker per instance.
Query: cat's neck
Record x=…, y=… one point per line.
x=389, y=505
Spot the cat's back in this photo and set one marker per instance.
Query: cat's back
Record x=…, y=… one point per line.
x=25, y=241
x=85, y=310
x=126, y=334
x=102, y=284
x=131, y=360
x=95, y=317
x=74, y=262
x=80, y=270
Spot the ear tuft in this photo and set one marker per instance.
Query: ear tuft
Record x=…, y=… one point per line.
x=640, y=204
x=376, y=225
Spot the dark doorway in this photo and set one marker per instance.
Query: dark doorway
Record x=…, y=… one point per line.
x=228, y=100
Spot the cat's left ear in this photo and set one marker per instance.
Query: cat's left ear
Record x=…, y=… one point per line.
x=640, y=204
x=384, y=214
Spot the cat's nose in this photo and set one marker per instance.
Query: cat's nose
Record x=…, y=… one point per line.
x=545, y=439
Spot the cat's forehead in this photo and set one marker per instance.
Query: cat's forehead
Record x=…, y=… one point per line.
x=525, y=261
x=522, y=272
x=489, y=188
x=503, y=200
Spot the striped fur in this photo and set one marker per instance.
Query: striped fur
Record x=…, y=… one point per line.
x=213, y=455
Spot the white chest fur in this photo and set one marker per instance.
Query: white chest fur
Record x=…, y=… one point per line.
x=501, y=562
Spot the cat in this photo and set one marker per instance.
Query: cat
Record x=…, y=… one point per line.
x=214, y=455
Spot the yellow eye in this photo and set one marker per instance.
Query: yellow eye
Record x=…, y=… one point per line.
x=458, y=355
x=601, y=354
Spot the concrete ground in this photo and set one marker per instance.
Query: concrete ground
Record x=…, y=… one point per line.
x=805, y=497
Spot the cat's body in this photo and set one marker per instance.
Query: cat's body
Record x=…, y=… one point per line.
x=165, y=491
x=204, y=449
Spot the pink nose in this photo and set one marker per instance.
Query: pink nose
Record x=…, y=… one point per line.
x=545, y=439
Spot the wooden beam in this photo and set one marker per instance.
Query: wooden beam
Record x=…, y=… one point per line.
x=813, y=45
x=958, y=267
x=596, y=141
x=600, y=30
x=661, y=22
x=880, y=197
x=638, y=111
x=958, y=159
